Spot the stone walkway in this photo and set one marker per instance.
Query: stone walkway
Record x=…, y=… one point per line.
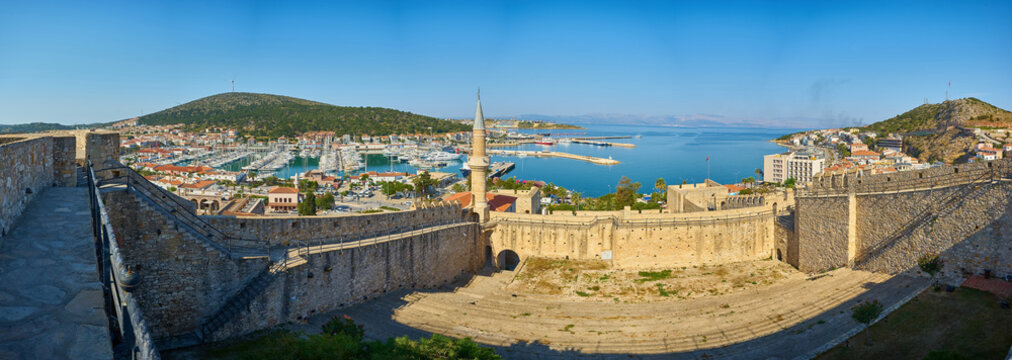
x=51, y=302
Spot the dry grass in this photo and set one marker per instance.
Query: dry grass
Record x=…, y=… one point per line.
x=966, y=324
x=595, y=281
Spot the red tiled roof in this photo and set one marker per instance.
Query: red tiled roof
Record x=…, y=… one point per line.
x=734, y=188
x=496, y=202
x=284, y=190
x=200, y=184
x=864, y=153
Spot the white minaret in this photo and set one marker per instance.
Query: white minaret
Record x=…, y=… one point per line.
x=478, y=162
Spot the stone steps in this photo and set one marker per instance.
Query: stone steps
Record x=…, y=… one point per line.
x=650, y=330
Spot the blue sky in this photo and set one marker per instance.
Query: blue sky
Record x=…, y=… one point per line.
x=813, y=64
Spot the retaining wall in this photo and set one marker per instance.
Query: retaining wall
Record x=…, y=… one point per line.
x=362, y=273
x=633, y=240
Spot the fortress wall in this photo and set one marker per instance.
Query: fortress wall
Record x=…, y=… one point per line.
x=836, y=229
x=359, y=274
x=975, y=235
x=785, y=242
x=64, y=164
x=280, y=229
x=26, y=164
x=182, y=281
x=821, y=227
x=904, y=180
x=661, y=244
x=633, y=240
x=39, y=160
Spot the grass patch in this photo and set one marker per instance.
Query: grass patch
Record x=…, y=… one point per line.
x=665, y=293
x=371, y=211
x=966, y=324
x=653, y=275
x=581, y=293
x=389, y=208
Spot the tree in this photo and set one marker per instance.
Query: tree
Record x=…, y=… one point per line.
x=308, y=206
x=458, y=187
x=842, y=149
x=626, y=192
x=325, y=202
x=576, y=197
x=343, y=194
x=790, y=182
x=930, y=263
x=364, y=178
x=422, y=183
x=660, y=185
x=758, y=174
x=865, y=313
x=308, y=185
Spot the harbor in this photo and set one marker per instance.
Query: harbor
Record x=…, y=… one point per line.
x=555, y=154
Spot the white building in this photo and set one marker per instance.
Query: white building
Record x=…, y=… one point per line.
x=800, y=165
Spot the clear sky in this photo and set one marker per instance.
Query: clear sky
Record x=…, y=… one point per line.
x=814, y=63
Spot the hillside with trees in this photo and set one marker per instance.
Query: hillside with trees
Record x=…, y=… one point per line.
x=968, y=112
x=265, y=115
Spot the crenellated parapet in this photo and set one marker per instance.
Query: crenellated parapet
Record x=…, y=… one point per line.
x=936, y=177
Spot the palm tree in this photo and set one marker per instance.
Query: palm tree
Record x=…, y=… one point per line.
x=758, y=173
x=660, y=185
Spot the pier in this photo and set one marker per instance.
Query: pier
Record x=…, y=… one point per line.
x=590, y=159
x=601, y=143
x=500, y=168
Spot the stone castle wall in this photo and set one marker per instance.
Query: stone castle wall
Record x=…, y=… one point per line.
x=634, y=240
x=362, y=273
x=858, y=224
x=182, y=281
x=278, y=230
x=26, y=169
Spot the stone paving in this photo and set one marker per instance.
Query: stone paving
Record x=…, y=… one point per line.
x=51, y=302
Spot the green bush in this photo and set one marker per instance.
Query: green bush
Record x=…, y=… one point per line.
x=342, y=339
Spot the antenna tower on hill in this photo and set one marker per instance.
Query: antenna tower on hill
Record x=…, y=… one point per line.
x=233, y=85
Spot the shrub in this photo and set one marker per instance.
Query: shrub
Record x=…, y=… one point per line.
x=930, y=263
x=343, y=326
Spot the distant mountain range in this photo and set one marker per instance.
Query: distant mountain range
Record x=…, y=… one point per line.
x=41, y=126
x=275, y=115
x=696, y=120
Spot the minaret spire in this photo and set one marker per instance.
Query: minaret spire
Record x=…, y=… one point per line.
x=478, y=162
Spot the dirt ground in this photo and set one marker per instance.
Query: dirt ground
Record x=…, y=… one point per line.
x=596, y=281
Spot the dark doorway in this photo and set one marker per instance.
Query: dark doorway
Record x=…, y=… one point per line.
x=489, y=259
x=508, y=260
x=779, y=255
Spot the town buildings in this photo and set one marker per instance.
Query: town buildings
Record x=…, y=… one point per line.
x=283, y=199
x=800, y=165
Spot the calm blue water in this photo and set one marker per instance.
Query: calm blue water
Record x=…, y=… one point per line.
x=674, y=154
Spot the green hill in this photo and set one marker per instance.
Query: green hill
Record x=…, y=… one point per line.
x=266, y=115
x=968, y=112
x=930, y=132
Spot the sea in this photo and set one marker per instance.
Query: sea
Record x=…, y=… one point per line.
x=675, y=154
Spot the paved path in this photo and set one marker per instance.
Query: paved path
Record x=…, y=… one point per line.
x=51, y=302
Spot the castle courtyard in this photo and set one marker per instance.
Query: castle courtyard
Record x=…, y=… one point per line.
x=790, y=316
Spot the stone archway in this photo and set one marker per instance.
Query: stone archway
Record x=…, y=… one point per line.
x=508, y=260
